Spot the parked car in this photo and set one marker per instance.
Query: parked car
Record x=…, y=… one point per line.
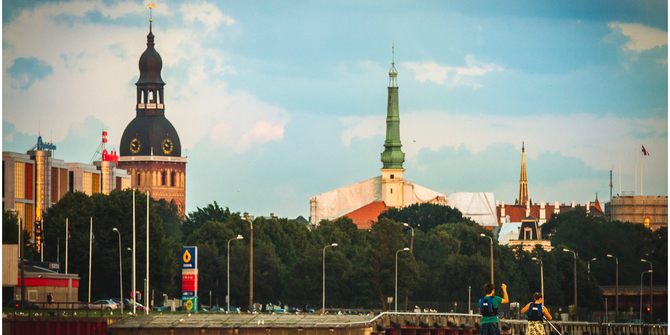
x=105, y=304
x=16, y=304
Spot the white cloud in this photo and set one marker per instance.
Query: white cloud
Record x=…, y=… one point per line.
x=640, y=37
x=205, y=13
x=579, y=136
x=451, y=75
x=95, y=67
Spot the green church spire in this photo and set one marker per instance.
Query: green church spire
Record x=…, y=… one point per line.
x=393, y=157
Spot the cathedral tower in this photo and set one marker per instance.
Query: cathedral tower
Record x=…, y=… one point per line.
x=523, y=181
x=150, y=149
x=393, y=157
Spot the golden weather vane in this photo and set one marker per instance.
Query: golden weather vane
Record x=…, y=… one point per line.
x=151, y=8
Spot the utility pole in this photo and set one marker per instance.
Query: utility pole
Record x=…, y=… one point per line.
x=134, y=265
x=67, y=241
x=146, y=288
x=23, y=263
x=90, y=256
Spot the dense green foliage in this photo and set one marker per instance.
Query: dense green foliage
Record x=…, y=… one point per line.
x=448, y=257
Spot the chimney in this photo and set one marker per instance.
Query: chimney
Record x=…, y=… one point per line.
x=543, y=214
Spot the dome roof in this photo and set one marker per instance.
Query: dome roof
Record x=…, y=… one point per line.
x=150, y=64
x=147, y=135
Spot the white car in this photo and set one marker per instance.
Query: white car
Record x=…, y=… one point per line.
x=103, y=304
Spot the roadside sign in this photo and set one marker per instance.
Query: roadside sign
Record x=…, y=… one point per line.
x=189, y=257
x=190, y=304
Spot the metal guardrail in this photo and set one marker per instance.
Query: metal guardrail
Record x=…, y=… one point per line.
x=32, y=309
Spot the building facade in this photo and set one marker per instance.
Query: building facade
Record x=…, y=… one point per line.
x=648, y=210
x=34, y=181
x=150, y=149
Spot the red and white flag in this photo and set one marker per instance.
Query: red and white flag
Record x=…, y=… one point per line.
x=645, y=152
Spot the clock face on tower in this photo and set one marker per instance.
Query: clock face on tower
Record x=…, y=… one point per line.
x=135, y=146
x=168, y=146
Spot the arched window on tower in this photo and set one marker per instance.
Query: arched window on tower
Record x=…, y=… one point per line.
x=163, y=178
x=173, y=177
x=139, y=179
x=151, y=96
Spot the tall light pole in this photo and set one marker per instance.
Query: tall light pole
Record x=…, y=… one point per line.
x=616, y=287
x=134, y=265
x=537, y=259
x=651, y=289
x=120, y=271
x=395, y=298
x=238, y=237
x=574, y=277
x=146, y=285
x=491, y=251
x=251, y=261
x=411, y=241
x=588, y=267
x=323, y=276
x=641, y=275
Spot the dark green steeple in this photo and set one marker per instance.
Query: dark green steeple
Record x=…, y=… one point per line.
x=393, y=157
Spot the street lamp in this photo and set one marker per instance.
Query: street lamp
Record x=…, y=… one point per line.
x=491, y=251
x=323, y=276
x=120, y=271
x=238, y=237
x=616, y=287
x=651, y=289
x=574, y=277
x=541, y=275
x=641, y=275
x=411, y=241
x=588, y=267
x=248, y=218
x=395, y=298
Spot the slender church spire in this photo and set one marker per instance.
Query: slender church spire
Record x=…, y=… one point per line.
x=393, y=157
x=523, y=180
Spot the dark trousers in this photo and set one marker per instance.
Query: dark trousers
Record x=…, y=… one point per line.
x=489, y=329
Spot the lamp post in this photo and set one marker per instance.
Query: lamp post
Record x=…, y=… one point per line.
x=491, y=251
x=238, y=237
x=642, y=275
x=651, y=289
x=411, y=241
x=395, y=298
x=120, y=271
x=616, y=287
x=588, y=267
x=537, y=259
x=323, y=276
x=574, y=277
x=251, y=260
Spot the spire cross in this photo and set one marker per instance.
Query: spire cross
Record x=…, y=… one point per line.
x=393, y=53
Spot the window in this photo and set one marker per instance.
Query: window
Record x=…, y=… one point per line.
x=391, y=191
x=71, y=182
x=173, y=176
x=32, y=295
x=139, y=179
x=19, y=181
x=527, y=234
x=391, y=176
x=164, y=178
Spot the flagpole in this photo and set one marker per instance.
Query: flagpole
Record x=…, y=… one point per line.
x=635, y=193
x=146, y=289
x=90, y=254
x=134, y=271
x=67, y=241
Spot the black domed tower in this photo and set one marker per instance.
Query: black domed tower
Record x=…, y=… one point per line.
x=150, y=149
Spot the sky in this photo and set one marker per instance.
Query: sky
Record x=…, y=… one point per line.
x=275, y=102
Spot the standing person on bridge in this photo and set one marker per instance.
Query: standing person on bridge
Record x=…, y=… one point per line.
x=536, y=312
x=488, y=308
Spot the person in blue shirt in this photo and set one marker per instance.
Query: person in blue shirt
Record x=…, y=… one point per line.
x=488, y=308
x=535, y=313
